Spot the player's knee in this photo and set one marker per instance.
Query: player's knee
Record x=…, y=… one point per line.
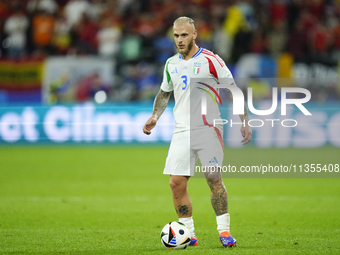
x=178, y=186
x=215, y=183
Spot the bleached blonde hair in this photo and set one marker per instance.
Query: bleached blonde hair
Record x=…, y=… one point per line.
x=183, y=20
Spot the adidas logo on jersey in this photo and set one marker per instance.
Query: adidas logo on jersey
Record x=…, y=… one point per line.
x=174, y=71
x=213, y=160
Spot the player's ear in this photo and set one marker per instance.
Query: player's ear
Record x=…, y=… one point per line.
x=195, y=34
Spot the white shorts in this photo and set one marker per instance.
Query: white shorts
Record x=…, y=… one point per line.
x=185, y=147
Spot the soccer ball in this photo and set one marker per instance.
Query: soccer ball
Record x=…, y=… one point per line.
x=175, y=235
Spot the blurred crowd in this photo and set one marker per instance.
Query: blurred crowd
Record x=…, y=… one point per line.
x=137, y=34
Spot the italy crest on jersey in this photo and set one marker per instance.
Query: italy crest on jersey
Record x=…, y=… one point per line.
x=197, y=67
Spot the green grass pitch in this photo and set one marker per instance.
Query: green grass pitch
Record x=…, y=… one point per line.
x=115, y=200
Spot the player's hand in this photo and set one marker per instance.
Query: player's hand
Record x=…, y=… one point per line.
x=149, y=124
x=246, y=133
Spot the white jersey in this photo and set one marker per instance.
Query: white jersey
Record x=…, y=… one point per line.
x=191, y=80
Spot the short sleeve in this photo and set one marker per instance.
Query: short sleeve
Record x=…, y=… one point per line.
x=167, y=84
x=223, y=72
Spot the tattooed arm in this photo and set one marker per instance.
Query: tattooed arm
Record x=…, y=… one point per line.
x=245, y=129
x=159, y=105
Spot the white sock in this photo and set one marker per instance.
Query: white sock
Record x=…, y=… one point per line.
x=223, y=223
x=189, y=222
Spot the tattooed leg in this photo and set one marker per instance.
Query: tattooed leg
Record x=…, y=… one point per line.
x=219, y=196
x=180, y=196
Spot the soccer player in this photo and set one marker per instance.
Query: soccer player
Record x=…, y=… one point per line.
x=195, y=138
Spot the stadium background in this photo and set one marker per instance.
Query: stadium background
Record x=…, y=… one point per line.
x=77, y=82
x=107, y=57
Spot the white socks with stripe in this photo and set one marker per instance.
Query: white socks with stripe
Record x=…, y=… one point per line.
x=223, y=223
x=189, y=222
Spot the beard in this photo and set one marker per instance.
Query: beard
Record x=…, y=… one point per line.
x=187, y=49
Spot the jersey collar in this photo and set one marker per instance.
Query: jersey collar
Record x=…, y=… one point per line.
x=194, y=56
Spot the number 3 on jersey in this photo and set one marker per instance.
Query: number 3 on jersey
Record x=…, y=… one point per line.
x=185, y=81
